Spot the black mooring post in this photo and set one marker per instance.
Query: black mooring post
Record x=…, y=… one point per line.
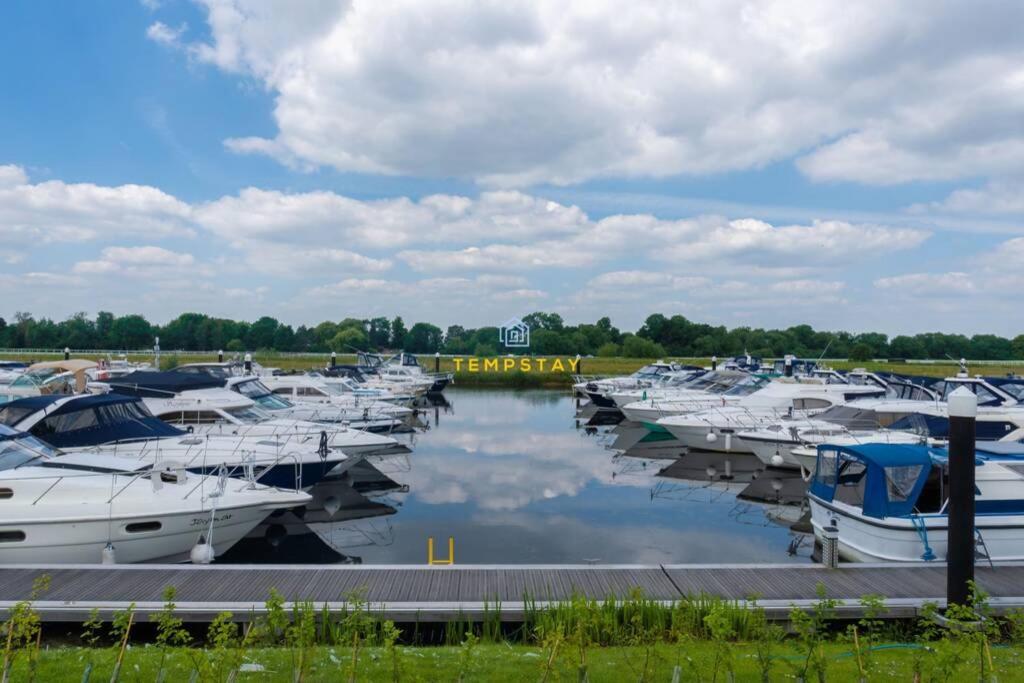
x=963, y=409
x=437, y=361
x=788, y=366
x=247, y=363
x=579, y=365
x=67, y=353
x=714, y=362
x=334, y=359
x=220, y=356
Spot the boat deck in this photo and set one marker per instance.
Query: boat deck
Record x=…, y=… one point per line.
x=417, y=593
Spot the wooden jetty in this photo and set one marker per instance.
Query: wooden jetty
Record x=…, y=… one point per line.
x=425, y=594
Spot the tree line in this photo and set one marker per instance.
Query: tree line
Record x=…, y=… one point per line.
x=660, y=335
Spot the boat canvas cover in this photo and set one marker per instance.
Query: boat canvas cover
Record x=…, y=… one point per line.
x=893, y=475
x=164, y=384
x=100, y=419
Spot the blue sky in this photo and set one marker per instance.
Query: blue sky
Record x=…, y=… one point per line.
x=742, y=163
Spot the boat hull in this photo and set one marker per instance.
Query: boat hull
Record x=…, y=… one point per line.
x=896, y=539
x=82, y=542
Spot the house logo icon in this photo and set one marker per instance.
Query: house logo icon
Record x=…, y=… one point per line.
x=514, y=333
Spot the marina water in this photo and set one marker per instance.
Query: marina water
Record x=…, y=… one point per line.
x=518, y=477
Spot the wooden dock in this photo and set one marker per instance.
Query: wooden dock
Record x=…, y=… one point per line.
x=418, y=593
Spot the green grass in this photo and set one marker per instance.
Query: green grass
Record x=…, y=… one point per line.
x=501, y=662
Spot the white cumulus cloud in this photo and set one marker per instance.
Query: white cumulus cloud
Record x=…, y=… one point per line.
x=518, y=92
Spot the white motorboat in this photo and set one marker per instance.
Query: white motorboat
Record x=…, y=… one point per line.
x=716, y=429
x=920, y=418
x=197, y=402
x=341, y=392
x=114, y=424
x=48, y=378
x=665, y=386
x=10, y=370
x=595, y=389
x=86, y=508
x=719, y=388
x=403, y=368
x=889, y=502
x=370, y=415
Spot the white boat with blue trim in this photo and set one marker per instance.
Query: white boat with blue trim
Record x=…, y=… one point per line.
x=889, y=502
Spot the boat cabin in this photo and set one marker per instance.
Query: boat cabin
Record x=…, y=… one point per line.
x=897, y=480
x=84, y=419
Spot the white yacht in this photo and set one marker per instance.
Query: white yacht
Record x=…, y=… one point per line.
x=10, y=370
x=715, y=389
x=404, y=368
x=595, y=389
x=716, y=429
x=664, y=386
x=889, y=502
x=50, y=377
x=341, y=392
x=198, y=403
x=918, y=415
x=86, y=508
x=370, y=416
x=114, y=424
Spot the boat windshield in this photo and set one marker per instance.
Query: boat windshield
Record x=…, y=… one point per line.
x=651, y=371
x=37, y=378
x=850, y=417
x=272, y=402
x=985, y=396
x=252, y=388
x=249, y=414
x=707, y=382
x=746, y=387
x=25, y=450
x=13, y=413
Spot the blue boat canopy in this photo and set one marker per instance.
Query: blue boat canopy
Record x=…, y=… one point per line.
x=886, y=478
x=89, y=420
x=163, y=384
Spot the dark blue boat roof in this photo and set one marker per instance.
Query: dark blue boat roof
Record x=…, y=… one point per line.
x=164, y=384
x=88, y=419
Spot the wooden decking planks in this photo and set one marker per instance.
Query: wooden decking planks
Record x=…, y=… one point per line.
x=436, y=593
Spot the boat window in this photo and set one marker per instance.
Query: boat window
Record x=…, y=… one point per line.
x=985, y=396
x=283, y=391
x=6, y=494
x=15, y=453
x=850, y=417
x=248, y=414
x=11, y=415
x=142, y=527
x=273, y=402
x=933, y=494
x=850, y=482
x=186, y=417
x=810, y=403
x=87, y=418
x=935, y=426
x=899, y=482
x=1014, y=389
x=251, y=389
x=12, y=536
x=826, y=471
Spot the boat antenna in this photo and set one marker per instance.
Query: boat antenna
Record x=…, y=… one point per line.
x=823, y=352
x=962, y=363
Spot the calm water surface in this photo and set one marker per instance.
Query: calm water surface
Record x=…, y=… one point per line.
x=515, y=477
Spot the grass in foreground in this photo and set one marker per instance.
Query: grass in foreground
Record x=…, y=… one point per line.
x=697, y=660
